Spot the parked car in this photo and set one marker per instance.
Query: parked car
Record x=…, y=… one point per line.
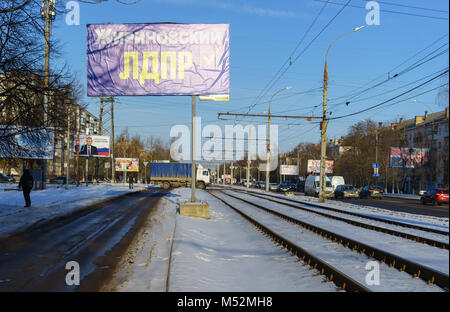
x=260, y=184
x=371, y=191
x=435, y=196
x=345, y=191
x=62, y=180
x=286, y=187
x=6, y=179
x=273, y=187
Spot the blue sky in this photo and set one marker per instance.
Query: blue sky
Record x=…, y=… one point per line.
x=263, y=35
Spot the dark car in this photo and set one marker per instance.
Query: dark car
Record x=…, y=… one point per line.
x=62, y=180
x=260, y=184
x=6, y=179
x=435, y=196
x=371, y=192
x=345, y=191
x=286, y=187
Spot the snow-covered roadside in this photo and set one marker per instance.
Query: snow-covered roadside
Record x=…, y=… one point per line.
x=224, y=253
x=53, y=202
x=426, y=221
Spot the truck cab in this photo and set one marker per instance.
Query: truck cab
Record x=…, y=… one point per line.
x=203, y=177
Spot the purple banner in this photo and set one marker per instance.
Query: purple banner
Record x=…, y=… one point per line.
x=158, y=59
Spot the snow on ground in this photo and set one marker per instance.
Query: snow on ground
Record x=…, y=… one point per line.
x=349, y=262
x=422, y=220
x=420, y=253
x=224, y=253
x=53, y=202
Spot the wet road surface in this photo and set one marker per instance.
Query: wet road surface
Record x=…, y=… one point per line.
x=36, y=260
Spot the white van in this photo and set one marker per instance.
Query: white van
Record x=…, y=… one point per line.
x=337, y=180
x=312, y=186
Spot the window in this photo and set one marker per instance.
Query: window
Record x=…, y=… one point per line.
x=205, y=173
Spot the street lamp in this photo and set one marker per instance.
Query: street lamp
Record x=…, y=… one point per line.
x=417, y=101
x=268, y=139
x=323, y=125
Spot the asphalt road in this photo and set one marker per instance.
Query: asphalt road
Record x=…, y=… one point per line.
x=36, y=260
x=403, y=205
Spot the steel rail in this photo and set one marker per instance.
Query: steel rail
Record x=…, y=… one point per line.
x=420, y=239
x=340, y=279
x=403, y=265
x=411, y=226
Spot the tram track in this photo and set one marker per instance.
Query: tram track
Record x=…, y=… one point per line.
x=341, y=280
x=416, y=238
x=402, y=265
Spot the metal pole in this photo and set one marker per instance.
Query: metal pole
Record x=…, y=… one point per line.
x=268, y=152
x=87, y=170
x=193, y=198
x=231, y=171
x=113, y=167
x=68, y=148
x=224, y=170
x=323, y=143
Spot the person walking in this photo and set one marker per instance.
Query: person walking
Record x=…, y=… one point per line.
x=130, y=181
x=26, y=183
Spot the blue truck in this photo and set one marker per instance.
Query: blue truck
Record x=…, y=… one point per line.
x=177, y=174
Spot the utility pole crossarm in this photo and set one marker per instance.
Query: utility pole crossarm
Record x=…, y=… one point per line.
x=271, y=116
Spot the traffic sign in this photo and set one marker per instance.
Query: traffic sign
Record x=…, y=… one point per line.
x=376, y=165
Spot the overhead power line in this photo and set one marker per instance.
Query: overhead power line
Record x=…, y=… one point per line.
x=389, y=11
x=395, y=97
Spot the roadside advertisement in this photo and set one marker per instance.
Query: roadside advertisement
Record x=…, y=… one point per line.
x=91, y=146
x=127, y=164
x=409, y=157
x=28, y=143
x=314, y=166
x=288, y=170
x=158, y=59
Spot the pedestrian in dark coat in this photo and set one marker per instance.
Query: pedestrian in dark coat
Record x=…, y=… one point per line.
x=26, y=183
x=130, y=181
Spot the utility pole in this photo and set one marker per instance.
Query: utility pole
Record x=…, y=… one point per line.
x=231, y=172
x=48, y=14
x=323, y=125
x=107, y=128
x=68, y=146
x=78, y=120
x=249, y=162
x=224, y=170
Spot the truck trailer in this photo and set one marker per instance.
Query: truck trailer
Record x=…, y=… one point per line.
x=178, y=174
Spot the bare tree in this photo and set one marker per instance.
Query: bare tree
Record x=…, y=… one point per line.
x=21, y=80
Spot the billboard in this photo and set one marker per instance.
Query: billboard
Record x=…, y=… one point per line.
x=91, y=146
x=409, y=157
x=158, y=59
x=314, y=166
x=289, y=170
x=29, y=143
x=127, y=164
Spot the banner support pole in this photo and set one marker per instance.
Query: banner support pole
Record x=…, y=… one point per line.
x=193, y=168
